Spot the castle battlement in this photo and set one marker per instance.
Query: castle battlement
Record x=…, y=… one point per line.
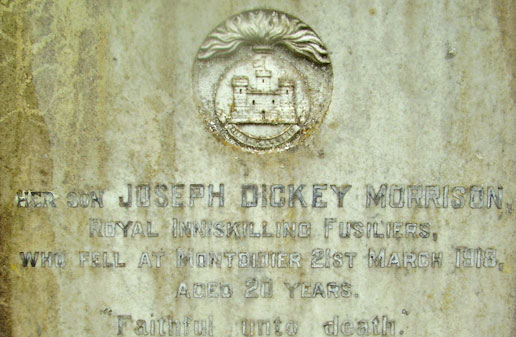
x=240, y=81
x=285, y=82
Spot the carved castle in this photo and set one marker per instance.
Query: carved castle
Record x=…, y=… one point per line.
x=261, y=104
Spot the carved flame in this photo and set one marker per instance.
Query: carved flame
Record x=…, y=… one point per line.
x=264, y=28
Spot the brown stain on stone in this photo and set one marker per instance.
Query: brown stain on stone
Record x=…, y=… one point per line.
x=25, y=165
x=506, y=14
x=29, y=149
x=505, y=11
x=87, y=95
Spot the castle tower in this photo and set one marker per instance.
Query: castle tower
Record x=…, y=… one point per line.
x=286, y=89
x=287, y=92
x=263, y=75
x=240, y=86
x=263, y=80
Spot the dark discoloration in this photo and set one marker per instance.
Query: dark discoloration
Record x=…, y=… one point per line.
x=24, y=148
x=506, y=15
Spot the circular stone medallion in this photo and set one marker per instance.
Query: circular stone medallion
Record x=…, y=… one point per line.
x=263, y=80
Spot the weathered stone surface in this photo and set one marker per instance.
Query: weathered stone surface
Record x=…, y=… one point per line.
x=99, y=95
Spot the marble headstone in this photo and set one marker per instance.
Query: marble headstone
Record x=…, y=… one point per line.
x=258, y=168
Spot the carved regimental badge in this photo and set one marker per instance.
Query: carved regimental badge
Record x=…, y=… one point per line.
x=263, y=80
